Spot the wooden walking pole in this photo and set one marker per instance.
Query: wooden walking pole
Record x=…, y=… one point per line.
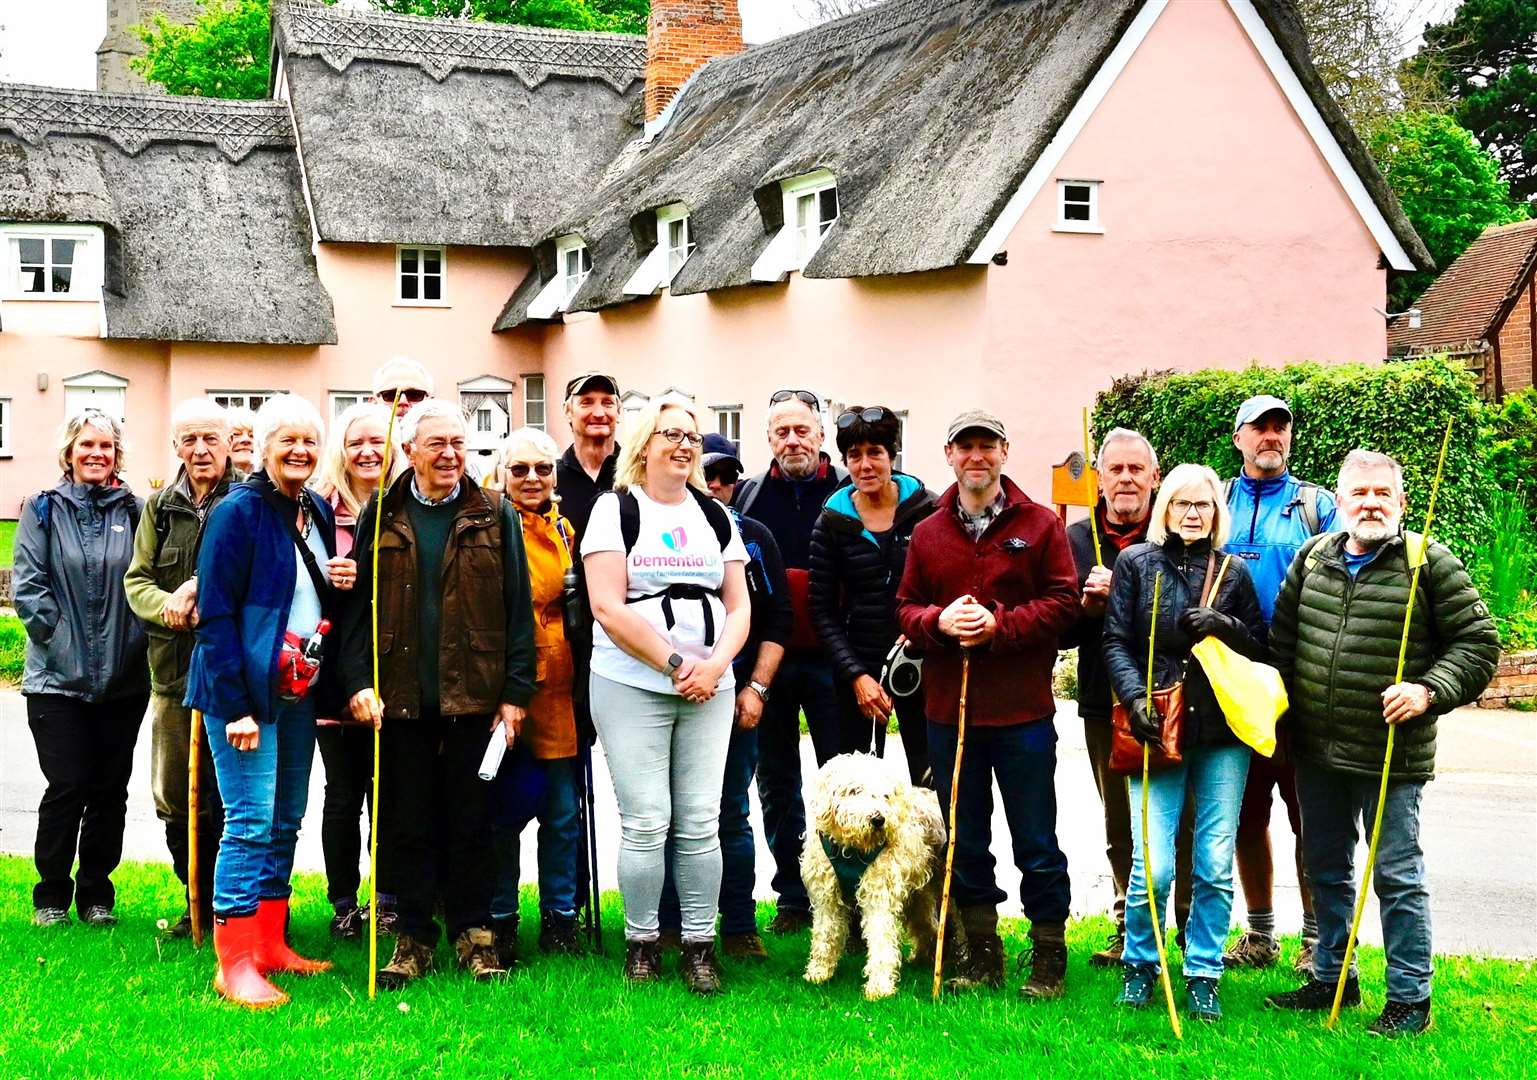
x=194, y=867
x=1088, y=459
x=1147, y=851
x=373, y=823
x=955, y=787
x=1387, y=757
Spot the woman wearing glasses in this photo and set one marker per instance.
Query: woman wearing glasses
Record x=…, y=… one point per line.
x=665, y=569
x=538, y=778
x=1189, y=523
x=858, y=553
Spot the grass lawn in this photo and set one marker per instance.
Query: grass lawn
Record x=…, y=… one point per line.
x=7, y=539
x=80, y=1002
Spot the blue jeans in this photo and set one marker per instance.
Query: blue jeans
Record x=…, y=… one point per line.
x=804, y=683
x=1214, y=777
x=527, y=789
x=1332, y=803
x=265, y=792
x=1024, y=758
x=738, y=910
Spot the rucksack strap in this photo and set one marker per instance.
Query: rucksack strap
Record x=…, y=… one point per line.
x=285, y=515
x=629, y=518
x=685, y=592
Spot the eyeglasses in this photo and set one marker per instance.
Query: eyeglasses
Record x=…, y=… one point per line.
x=413, y=395
x=677, y=435
x=520, y=470
x=873, y=414
x=1181, y=507
x=800, y=395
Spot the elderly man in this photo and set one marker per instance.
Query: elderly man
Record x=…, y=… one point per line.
x=787, y=499
x=990, y=576
x=456, y=664
x=1128, y=476
x=586, y=469
x=162, y=591
x=242, y=439
x=401, y=383
x=1336, y=638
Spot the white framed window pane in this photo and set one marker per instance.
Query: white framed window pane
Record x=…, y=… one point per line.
x=408, y=260
x=408, y=288
x=483, y=419
x=60, y=279
x=827, y=207
x=30, y=250
x=432, y=261
x=432, y=287
x=586, y=262
x=63, y=253
x=805, y=207
x=533, y=401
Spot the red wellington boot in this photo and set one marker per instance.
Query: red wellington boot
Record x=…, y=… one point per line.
x=272, y=951
x=235, y=941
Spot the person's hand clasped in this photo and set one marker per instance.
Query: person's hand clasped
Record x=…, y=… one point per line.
x=1144, y=727
x=968, y=622
x=1404, y=701
x=243, y=734
x=1096, y=591
x=696, y=680
x=980, y=630
x=343, y=572
x=180, y=611
x=366, y=708
x=872, y=698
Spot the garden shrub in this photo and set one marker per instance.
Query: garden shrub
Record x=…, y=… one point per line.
x=1510, y=439
x=13, y=648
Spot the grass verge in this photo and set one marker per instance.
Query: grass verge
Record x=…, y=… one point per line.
x=7, y=541
x=13, y=649
x=81, y=1002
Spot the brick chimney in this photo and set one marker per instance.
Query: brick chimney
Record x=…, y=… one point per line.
x=684, y=35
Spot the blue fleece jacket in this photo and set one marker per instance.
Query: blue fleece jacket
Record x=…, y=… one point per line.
x=1269, y=529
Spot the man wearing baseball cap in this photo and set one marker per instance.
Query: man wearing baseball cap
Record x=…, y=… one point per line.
x=586, y=469
x=1273, y=515
x=990, y=572
x=722, y=467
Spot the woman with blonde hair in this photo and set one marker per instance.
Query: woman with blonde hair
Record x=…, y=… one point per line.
x=665, y=569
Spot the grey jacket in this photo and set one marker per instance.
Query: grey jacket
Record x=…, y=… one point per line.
x=83, y=641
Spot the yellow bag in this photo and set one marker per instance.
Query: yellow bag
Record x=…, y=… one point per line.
x=1251, y=694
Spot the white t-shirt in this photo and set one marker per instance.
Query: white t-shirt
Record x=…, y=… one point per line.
x=676, y=546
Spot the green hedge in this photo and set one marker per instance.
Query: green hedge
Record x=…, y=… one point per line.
x=13, y=648
x=1398, y=408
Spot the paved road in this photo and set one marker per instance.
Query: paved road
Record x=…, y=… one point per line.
x=1480, y=827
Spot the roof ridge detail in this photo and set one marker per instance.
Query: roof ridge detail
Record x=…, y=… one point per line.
x=134, y=121
x=339, y=36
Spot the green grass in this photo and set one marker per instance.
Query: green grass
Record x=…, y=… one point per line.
x=80, y=1002
x=13, y=648
x=7, y=541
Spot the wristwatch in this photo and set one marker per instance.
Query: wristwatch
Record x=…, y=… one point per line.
x=674, y=662
x=762, y=691
x=1430, y=696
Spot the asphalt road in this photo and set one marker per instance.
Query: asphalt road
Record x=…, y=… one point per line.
x=1479, y=828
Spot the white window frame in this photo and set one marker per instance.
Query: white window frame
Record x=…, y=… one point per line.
x=728, y=421
x=792, y=246
x=657, y=269
x=342, y=400
x=534, y=393
x=241, y=399
x=109, y=387
x=558, y=292
x=566, y=250
x=5, y=427
x=1075, y=225
x=86, y=268
x=421, y=275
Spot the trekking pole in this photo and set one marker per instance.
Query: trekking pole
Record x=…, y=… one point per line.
x=1387, y=757
x=373, y=825
x=595, y=901
x=955, y=786
x=1147, y=853
x=194, y=864
x=1099, y=559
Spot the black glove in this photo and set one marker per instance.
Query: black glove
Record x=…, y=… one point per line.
x=1200, y=622
x=1144, y=728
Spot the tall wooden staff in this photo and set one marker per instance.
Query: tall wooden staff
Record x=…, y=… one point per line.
x=194, y=868
x=373, y=825
x=1147, y=850
x=955, y=787
x=1387, y=757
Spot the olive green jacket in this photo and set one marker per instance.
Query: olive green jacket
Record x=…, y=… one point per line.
x=1335, y=640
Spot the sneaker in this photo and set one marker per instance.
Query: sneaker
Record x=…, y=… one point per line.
x=982, y=965
x=1047, y=961
x=98, y=915
x=412, y=960
x=1110, y=955
x=50, y=916
x=557, y=934
x=1137, y=982
x=669, y=941
x=1201, y=999
x=1303, y=964
x=1252, y=950
x=476, y=950
x=505, y=934
x=701, y=973
x=1401, y=1018
x=790, y=921
x=1315, y=996
x=642, y=962
x=743, y=946
x=349, y=922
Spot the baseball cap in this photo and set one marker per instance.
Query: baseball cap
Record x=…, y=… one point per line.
x=588, y=380
x=979, y=419
x=1257, y=407
x=718, y=449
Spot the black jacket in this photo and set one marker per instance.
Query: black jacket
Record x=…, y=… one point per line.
x=578, y=491
x=1129, y=618
x=854, y=578
x=1087, y=634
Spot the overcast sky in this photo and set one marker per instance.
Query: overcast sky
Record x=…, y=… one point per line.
x=53, y=42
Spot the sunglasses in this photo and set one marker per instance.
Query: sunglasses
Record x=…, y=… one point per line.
x=800, y=395
x=414, y=396
x=520, y=470
x=677, y=435
x=873, y=414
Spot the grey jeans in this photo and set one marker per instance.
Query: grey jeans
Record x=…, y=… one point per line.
x=667, y=757
x=1332, y=803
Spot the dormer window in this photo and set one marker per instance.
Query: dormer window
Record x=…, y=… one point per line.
x=811, y=208
x=419, y=276
x=674, y=244
x=53, y=262
x=680, y=242
x=575, y=265
x=1078, y=206
x=815, y=212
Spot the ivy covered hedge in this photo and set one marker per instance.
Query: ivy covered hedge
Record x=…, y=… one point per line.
x=1398, y=408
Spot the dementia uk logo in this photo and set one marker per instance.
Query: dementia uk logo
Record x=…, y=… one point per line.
x=675, y=539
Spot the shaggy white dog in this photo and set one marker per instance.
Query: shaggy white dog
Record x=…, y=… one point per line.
x=889, y=833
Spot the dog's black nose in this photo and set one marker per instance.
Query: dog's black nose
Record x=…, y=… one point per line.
x=877, y=822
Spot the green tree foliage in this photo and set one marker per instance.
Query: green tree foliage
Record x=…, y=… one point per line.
x=619, y=16
x=1450, y=189
x=1485, y=57
x=222, y=53
x=1510, y=430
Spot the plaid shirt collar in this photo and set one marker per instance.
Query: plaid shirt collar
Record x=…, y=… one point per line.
x=976, y=524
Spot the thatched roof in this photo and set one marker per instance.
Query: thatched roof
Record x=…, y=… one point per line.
x=207, y=234
x=1464, y=308
x=929, y=113
x=451, y=132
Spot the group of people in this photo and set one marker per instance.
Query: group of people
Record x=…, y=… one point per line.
x=652, y=598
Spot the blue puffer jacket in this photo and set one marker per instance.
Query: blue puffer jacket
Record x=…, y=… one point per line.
x=1269, y=528
x=245, y=587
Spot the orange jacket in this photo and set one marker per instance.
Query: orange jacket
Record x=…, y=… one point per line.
x=550, y=730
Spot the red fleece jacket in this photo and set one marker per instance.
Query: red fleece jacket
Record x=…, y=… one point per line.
x=1022, y=569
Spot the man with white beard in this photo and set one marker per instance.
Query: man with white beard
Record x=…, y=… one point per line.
x=1335, y=638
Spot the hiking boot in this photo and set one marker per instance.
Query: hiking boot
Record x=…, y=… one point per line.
x=1048, y=963
x=476, y=950
x=50, y=916
x=1201, y=999
x=1315, y=996
x=642, y=962
x=182, y=927
x=669, y=941
x=389, y=922
x=981, y=966
x=1303, y=965
x=1137, y=982
x=1253, y=951
x=350, y=922
x=701, y=974
x=98, y=915
x=557, y=934
x=1401, y=1018
x=743, y=946
x=790, y=921
x=412, y=960
x=505, y=934
x=1110, y=955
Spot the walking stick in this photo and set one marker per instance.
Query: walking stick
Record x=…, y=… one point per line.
x=955, y=786
x=373, y=824
x=1147, y=852
x=1099, y=559
x=1387, y=757
x=194, y=868
x=595, y=899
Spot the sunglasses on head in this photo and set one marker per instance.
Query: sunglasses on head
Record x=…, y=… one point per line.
x=800, y=395
x=413, y=395
x=520, y=470
x=871, y=415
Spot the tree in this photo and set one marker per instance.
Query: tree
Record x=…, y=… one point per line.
x=1357, y=48
x=619, y=16
x=222, y=53
x=820, y=11
x=1449, y=187
x=1485, y=58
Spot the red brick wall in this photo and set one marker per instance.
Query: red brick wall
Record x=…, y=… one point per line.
x=683, y=36
x=1516, y=345
x=1515, y=680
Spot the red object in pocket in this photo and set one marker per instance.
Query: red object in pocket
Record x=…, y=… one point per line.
x=299, y=662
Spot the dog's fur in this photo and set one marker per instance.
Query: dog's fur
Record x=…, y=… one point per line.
x=857, y=802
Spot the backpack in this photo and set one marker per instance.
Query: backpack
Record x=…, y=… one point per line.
x=42, y=506
x=629, y=531
x=1306, y=499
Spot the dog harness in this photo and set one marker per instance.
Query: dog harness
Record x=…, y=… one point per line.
x=849, y=864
